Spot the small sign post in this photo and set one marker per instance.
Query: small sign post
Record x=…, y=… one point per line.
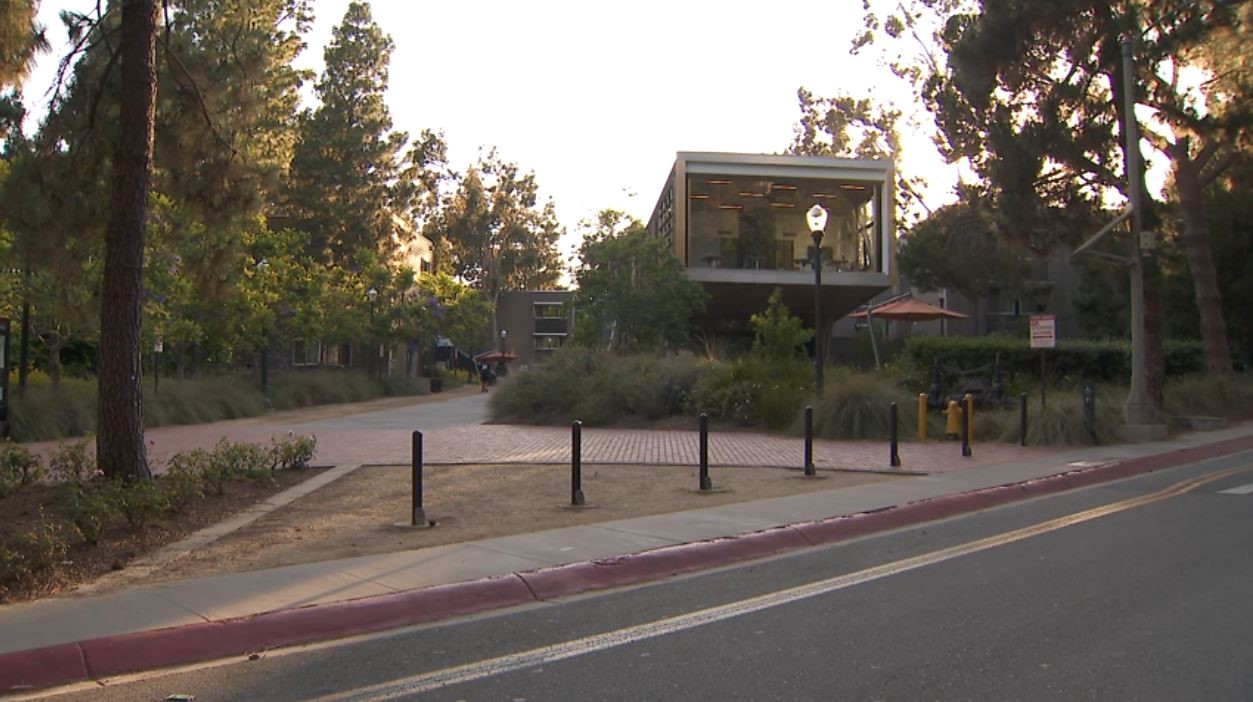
x=1043, y=336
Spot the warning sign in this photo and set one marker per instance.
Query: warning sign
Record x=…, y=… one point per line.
x=1043, y=331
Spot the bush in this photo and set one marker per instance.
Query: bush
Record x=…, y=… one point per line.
x=45, y=413
x=1058, y=423
x=1229, y=396
x=18, y=468
x=595, y=387
x=72, y=462
x=140, y=502
x=89, y=510
x=752, y=391
x=294, y=451
x=1073, y=361
x=25, y=553
x=858, y=406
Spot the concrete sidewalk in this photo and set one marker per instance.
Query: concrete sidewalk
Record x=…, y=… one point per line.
x=229, y=597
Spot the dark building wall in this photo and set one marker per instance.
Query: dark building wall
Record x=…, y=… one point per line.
x=536, y=323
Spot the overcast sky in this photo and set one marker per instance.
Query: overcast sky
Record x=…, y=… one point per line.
x=596, y=98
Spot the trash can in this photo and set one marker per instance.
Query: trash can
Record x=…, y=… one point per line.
x=437, y=384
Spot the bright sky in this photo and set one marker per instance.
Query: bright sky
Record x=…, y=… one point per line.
x=596, y=98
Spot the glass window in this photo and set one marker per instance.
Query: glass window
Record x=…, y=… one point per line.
x=306, y=353
x=750, y=222
x=548, y=343
x=548, y=310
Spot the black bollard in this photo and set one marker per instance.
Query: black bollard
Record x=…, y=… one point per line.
x=419, y=513
x=965, y=427
x=705, y=484
x=810, y=470
x=1089, y=411
x=576, y=464
x=894, y=456
x=1022, y=419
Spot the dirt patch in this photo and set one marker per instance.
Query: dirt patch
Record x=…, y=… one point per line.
x=119, y=544
x=356, y=515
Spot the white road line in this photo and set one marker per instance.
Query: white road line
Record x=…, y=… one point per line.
x=426, y=682
x=1242, y=490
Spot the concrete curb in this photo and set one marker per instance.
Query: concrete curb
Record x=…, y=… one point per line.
x=147, y=650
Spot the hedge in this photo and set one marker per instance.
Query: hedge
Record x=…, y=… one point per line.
x=1078, y=360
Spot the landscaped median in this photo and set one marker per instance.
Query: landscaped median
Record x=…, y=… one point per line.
x=113, y=655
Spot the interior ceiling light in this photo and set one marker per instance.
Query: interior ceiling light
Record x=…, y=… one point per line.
x=730, y=207
x=782, y=204
x=749, y=193
x=822, y=195
x=718, y=181
x=784, y=186
x=698, y=196
x=847, y=186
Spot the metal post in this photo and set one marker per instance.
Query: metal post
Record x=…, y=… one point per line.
x=576, y=464
x=922, y=416
x=965, y=427
x=1022, y=419
x=1042, y=372
x=419, y=513
x=894, y=457
x=1089, y=410
x=1139, y=408
x=817, y=237
x=156, y=373
x=809, y=442
x=705, y=484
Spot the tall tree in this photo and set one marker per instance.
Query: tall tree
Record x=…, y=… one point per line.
x=496, y=235
x=120, y=444
x=848, y=127
x=1034, y=97
x=21, y=37
x=344, y=173
x=632, y=294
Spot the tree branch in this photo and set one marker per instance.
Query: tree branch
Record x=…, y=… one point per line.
x=1217, y=168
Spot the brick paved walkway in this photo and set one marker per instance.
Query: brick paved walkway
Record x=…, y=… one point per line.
x=355, y=438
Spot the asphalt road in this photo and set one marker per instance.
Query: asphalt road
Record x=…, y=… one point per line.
x=1150, y=598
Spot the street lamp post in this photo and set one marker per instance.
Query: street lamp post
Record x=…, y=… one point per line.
x=263, y=267
x=504, y=334
x=372, y=295
x=817, y=218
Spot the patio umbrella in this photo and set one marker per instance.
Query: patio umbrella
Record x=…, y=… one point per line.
x=907, y=309
x=494, y=357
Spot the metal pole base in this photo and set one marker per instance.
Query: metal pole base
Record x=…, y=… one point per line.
x=577, y=499
x=419, y=521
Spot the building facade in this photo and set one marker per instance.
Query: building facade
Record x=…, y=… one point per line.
x=535, y=324
x=737, y=223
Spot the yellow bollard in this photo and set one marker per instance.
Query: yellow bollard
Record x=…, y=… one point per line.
x=970, y=418
x=922, y=416
x=952, y=423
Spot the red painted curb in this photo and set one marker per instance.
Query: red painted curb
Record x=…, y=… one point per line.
x=41, y=667
x=147, y=650
x=659, y=563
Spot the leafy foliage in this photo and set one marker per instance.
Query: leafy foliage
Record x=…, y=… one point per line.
x=778, y=334
x=632, y=292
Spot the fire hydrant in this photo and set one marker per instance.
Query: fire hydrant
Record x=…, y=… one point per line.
x=953, y=421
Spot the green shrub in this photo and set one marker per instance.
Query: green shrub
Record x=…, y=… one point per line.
x=18, y=468
x=1058, y=423
x=89, y=510
x=1228, y=396
x=595, y=387
x=858, y=406
x=25, y=553
x=752, y=391
x=182, y=482
x=139, y=502
x=1073, y=361
x=72, y=462
x=293, y=451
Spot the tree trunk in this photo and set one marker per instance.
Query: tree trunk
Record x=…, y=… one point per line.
x=120, y=442
x=55, y=343
x=1196, y=241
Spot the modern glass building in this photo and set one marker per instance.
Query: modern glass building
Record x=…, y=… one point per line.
x=737, y=222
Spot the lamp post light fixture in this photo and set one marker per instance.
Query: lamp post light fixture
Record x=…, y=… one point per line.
x=504, y=334
x=817, y=218
x=263, y=268
x=372, y=295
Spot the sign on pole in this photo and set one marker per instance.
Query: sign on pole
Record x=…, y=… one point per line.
x=1043, y=331
x=1043, y=336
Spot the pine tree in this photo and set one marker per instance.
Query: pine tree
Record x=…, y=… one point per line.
x=344, y=174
